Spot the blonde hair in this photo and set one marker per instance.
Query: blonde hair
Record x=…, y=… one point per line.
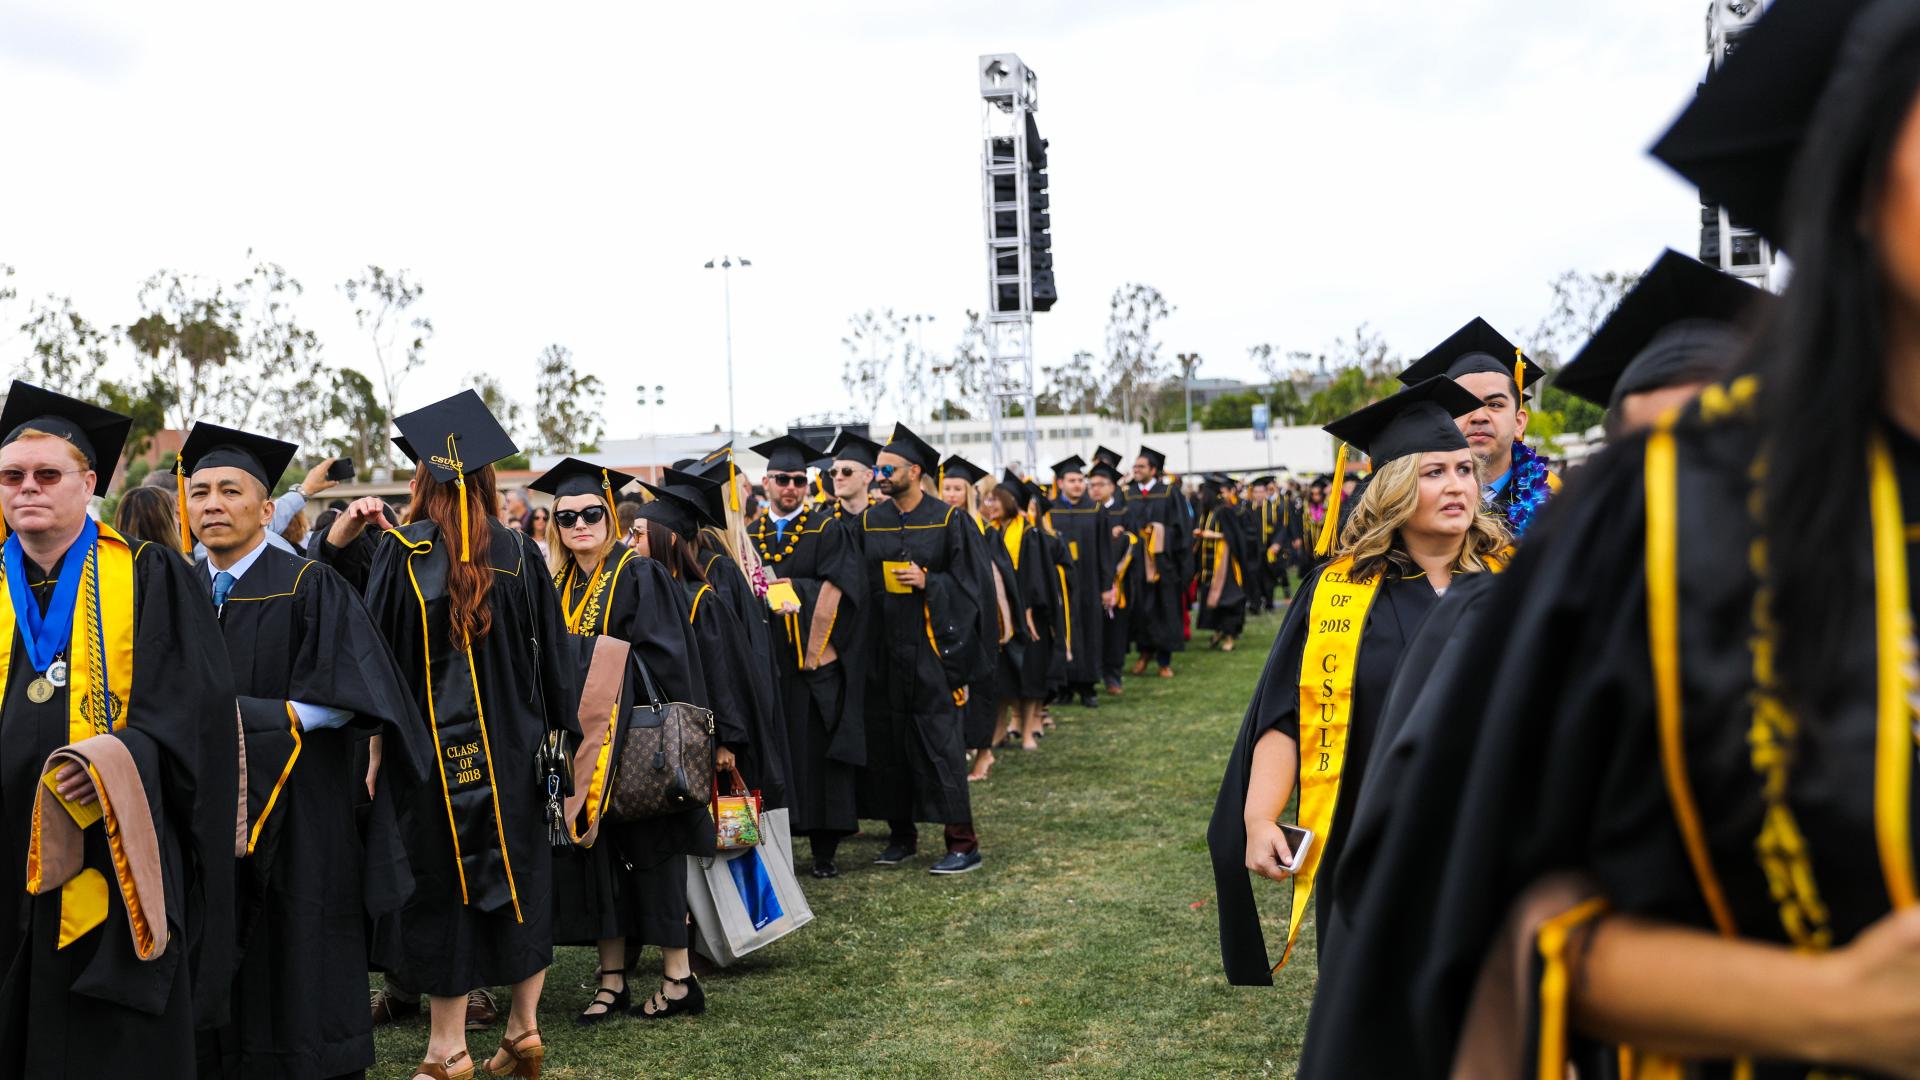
x=73, y=451
x=972, y=503
x=557, y=551
x=1372, y=535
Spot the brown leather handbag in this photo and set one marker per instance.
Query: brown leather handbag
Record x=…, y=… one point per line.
x=664, y=758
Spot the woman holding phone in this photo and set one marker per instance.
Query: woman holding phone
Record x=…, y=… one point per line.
x=1311, y=724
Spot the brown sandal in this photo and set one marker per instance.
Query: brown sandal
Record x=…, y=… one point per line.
x=522, y=1060
x=436, y=1070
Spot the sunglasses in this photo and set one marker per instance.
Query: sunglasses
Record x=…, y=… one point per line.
x=844, y=472
x=885, y=472
x=787, y=479
x=592, y=515
x=46, y=478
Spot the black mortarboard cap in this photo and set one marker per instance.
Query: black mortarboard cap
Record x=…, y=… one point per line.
x=685, y=463
x=1038, y=492
x=1155, y=458
x=401, y=444
x=99, y=434
x=1678, y=325
x=957, y=466
x=853, y=446
x=1738, y=140
x=1022, y=494
x=675, y=510
x=1473, y=348
x=709, y=493
x=1102, y=468
x=574, y=476
x=1111, y=457
x=1074, y=464
x=456, y=436
x=1417, y=420
x=784, y=453
x=211, y=446
x=914, y=448
x=1262, y=480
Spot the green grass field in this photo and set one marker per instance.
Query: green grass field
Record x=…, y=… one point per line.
x=1086, y=946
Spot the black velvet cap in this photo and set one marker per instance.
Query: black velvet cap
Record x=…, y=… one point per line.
x=784, y=453
x=1474, y=348
x=1154, y=457
x=457, y=435
x=1111, y=457
x=574, y=476
x=674, y=510
x=914, y=448
x=1678, y=325
x=710, y=494
x=210, y=446
x=852, y=446
x=1074, y=464
x=957, y=466
x=99, y=434
x=1417, y=420
x=1738, y=140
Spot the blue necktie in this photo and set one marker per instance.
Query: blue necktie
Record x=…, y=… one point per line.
x=222, y=585
x=780, y=531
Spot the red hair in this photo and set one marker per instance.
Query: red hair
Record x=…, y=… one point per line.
x=469, y=581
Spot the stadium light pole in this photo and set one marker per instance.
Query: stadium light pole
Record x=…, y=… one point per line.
x=1189, y=363
x=726, y=289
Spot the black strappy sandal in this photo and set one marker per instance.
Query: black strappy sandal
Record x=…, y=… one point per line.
x=693, y=1004
x=613, y=1002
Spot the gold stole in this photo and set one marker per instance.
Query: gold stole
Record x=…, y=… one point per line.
x=1327, y=665
x=1010, y=535
x=93, y=707
x=594, y=613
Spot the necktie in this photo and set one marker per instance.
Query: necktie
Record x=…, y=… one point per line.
x=222, y=585
x=780, y=531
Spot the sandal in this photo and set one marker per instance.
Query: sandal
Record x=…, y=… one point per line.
x=611, y=1002
x=660, y=1006
x=522, y=1060
x=443, y=1070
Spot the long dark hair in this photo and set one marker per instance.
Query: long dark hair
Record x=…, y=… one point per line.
x=671, y=550
x=148, y=513
x=1823, y=362
x=468, y=582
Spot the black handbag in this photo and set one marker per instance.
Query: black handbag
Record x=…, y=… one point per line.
x=664, y=757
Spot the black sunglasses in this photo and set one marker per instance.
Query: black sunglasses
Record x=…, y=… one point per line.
x=787, y=479
x=592, y=515
x=845, y=471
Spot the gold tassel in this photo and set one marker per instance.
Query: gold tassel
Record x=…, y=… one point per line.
x=1324, y=544
x=613, y=512
x=1519, y=372
x=180, y=491
x=733, y=484
x=460, y=479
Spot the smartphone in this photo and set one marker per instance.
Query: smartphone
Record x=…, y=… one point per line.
x=1299, y=840
x=341, y=469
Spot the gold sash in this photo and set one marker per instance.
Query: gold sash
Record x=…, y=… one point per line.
x=1327, y=666
x=93, y=708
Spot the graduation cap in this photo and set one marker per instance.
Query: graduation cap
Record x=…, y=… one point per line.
x=1417, y=420
x=1678, y=325
x=1105, y=469
x=574, y=476
x=914, y=448
x=676, y=510
x=717, y=465
x=1074, y=464
x=1738, y=140
x=456, y=436
x=1022, y=494
x=703, y=490
x=1474, y=348
x=957, y=466
x=1267, y=480
x=210, y=446
x=1111, y=457
x=784, y=453
x=1038, y=492
x=99, y=434
x=852, y=446
x=401, y=444
x=1154, y=457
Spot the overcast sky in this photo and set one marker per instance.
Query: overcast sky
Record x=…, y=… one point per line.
x=558, y=173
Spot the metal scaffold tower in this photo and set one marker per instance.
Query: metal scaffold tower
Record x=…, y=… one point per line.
x=1724, y=242
x=1013, y=185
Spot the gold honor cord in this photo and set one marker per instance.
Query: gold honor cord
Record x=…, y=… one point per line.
x=1323, y=546
x=1893, y=623
x=1327, y=667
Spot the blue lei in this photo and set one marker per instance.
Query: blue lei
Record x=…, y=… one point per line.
x=1527, y=483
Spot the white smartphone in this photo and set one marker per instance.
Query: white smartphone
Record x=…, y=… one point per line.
x=1298, y=841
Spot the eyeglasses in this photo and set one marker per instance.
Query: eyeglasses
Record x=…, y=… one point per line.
x=45, y=478
x=592, y=515
x=844, y=473
x=779, y=479
x=885, y=472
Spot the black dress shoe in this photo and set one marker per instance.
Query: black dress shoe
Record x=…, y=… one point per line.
x=826, y=869
x=1089, y=700
x=956, y=862
x=893, y=856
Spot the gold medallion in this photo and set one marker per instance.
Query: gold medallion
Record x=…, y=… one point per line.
x=40, y=690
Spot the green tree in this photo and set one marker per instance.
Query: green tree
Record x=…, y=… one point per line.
x=359, y=418
x=873, y=338
x=382, y=308
x=147, y=402
x=501, y=404
x=567, y=407
x=1134, y=367
x=1074, y=386
x=65, y=352
x=186, y=336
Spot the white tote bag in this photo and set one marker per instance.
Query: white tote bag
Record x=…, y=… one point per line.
x=725, y=899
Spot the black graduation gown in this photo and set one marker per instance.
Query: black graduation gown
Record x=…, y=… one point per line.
x=766, y=763
x=985, y=697
x=296, y=631
x=94, y=1009
x=523, y=669
x=1084, y=526
x=826, y=729
x=1562, y=768
x=1401, y=605
x=1059, y=627
x=1022, y=671
x=631, y=883
x=1125, y=577
x=925, y=645
x=1223, y=561
x=1158, y=607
